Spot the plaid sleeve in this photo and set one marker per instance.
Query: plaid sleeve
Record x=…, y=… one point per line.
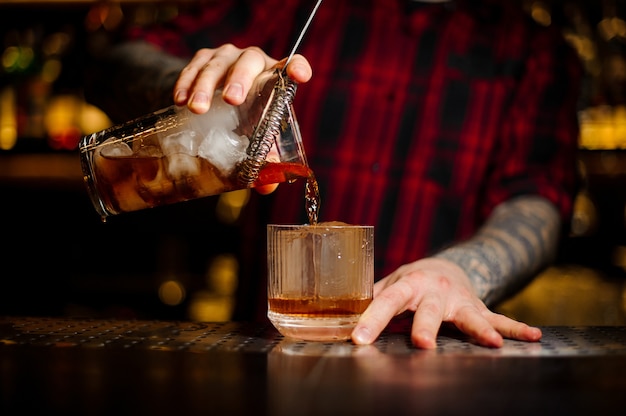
x=539, y=137
x=177, y=35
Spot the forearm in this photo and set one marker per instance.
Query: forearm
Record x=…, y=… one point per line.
x=519, y=239
x=135, y=78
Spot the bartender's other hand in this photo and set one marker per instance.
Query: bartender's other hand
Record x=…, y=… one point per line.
x=232, y=67
x=437, y=291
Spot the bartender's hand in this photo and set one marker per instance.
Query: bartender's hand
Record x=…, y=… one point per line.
x=437, y=291
x=232, y=67
x=235, y=69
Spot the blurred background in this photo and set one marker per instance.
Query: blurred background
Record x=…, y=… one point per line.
x=58, y=259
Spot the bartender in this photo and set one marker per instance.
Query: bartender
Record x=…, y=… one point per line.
x=448, y=125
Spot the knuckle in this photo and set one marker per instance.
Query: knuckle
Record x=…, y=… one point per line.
x=187, y=70
x=431, y=307
x=444, y=282
x=401, y=289
x=253, y=51
x=204, y=53
x=228, y=48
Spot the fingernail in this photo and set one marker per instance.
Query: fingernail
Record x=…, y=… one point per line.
x=234, y=91
x=425, y=339
x=536, y=334
x=296, y=69
x=180, y=97
x=199, y=101
x=362, y=335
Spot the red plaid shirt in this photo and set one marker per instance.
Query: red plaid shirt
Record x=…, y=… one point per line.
x=419, y=119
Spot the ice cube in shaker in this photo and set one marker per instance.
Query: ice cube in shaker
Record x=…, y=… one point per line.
x=221, y=145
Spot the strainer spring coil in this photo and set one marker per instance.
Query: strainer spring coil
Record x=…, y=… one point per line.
x=269, y=128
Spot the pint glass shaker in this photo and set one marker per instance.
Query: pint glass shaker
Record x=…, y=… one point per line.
x=174, y=155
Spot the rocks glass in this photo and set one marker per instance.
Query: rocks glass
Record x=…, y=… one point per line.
x=320, y=278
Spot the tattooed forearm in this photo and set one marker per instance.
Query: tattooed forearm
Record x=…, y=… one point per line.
x=518, y=240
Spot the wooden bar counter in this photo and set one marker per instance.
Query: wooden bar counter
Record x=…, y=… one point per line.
x=100, y=367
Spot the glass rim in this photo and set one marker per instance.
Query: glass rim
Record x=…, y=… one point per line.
x=319, y=225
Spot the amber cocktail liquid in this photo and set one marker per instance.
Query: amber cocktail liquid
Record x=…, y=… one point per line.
x=320, y=278
x=132, y=180
x=173, y=155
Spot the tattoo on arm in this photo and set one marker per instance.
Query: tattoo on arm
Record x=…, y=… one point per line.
x=518, y=240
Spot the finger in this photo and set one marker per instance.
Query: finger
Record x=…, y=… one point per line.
x=379, y=287
x=251, y=62
x=266, y=189
x=299, y=69
x=209, y=76
x=210, y=68
x=378, y=314
x=471, y=322
x=427, y=321
x=512, y=329
x=188, y=75
x=385, y=282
